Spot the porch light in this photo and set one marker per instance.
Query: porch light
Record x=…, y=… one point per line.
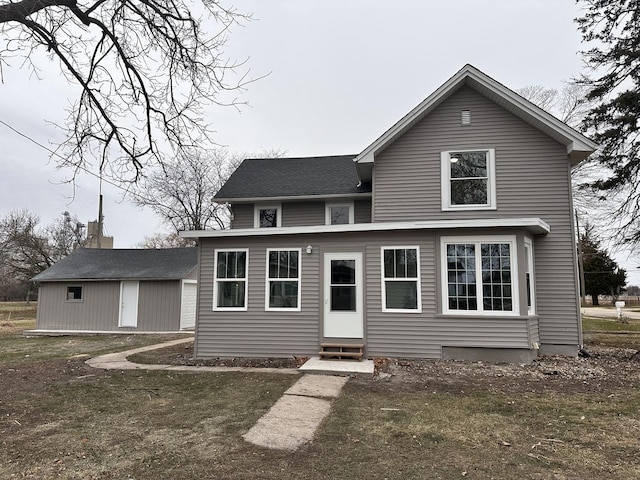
x=309, y=249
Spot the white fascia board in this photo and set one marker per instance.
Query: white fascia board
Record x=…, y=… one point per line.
x=536, y=226
x=575, y=140
x=368, y=154
x=292, y=198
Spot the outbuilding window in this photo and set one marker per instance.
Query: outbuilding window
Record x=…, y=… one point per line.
x=74, y=293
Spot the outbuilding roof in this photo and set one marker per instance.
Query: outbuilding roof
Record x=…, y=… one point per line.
x=122, y=264
x=279, y=178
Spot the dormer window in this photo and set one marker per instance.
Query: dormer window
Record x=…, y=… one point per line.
x=468, y=180
x=267, y=216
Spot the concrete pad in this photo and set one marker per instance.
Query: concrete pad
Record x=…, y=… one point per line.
x=290, y=423
x=318, y=386
x=337, y=367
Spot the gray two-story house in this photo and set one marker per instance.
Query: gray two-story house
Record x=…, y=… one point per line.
x=450, y=236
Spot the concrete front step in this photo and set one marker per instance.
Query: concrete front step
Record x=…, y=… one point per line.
x=337, y=367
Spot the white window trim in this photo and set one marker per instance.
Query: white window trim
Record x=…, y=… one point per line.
x=215, y=281
x=529, y=265
x=445, y=177
x=417, y=279
x=258, y=207
x=267, y=290
x=515, y=290
x=327, y=211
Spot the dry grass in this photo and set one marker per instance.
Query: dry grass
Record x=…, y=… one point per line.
x=61, y=419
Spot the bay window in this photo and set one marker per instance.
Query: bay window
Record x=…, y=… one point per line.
x=479, y=275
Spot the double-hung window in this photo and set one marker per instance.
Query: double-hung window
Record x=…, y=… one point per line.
x=401, y=279
x=230, y=280
x=468, y=180
x=479, y=275
x=283, y=280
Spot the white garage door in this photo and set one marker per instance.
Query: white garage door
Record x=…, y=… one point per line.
x=188, y=306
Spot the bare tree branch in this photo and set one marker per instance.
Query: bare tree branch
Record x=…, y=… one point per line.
x=146, y=69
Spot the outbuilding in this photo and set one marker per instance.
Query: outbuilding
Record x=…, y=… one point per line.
x=120, y=290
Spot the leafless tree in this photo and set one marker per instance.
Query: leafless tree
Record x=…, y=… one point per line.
x=27, y=249
x=569, y=104
x=181, y=193
x=145, y=71
x=161, y=240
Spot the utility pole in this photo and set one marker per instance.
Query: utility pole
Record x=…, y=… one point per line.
x=100, y=218
x=580, y=261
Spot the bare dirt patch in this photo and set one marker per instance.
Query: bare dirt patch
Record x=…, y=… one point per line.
x=605, y=370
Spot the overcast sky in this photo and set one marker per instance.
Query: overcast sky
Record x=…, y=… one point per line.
x=339, y=74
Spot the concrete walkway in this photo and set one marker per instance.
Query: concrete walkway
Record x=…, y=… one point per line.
x=289, y=424
x=118, y=361
x=294, y=419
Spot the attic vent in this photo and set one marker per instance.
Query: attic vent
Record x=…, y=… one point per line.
x=466, y=117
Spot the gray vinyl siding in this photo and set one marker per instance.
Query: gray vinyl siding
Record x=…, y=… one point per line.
x=304, y=213
x=258, y=333
x=242, y=215
x=299, y=213
x=532, y=180
x=362, y=211
x=158, y=307
x=97, y=311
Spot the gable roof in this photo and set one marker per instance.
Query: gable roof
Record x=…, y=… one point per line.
x=122, y=264
x=280, y=178
x=578, y=146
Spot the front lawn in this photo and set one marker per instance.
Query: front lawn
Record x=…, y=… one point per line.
x=59, y=418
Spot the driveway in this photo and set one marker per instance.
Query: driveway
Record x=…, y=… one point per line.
x=612, y=313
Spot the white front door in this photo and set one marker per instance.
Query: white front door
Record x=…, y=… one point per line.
x=128, y=304
x=343, y=295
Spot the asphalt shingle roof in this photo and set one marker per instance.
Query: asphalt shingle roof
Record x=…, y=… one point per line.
x=290, y=177
x=117, y=264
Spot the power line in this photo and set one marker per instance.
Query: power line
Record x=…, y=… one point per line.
x=80, y=167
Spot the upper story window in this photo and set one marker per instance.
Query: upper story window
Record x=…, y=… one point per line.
x=283, y=279
x=339, y=213
x=468, y=180
x=401, y=279
x=479, y=275
x=267, y=216
x=230, y=279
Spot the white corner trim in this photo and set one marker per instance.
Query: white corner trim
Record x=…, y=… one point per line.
x=535, y=225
